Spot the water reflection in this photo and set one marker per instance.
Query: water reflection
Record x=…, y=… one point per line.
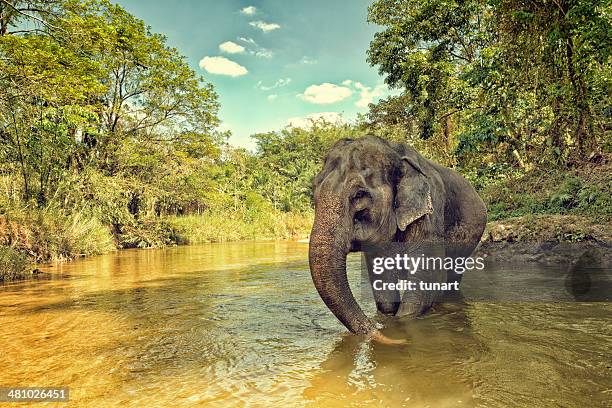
x=235, y=324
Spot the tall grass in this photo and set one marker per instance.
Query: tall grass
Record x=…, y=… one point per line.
x=13, y=265
x=238, y=226
x=52, y=235
x=585, y=191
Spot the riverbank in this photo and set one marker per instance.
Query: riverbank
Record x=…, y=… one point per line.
x=535, y=207
x=546, y=239
x=539, y=238
x=29, y=237
x=550, y=215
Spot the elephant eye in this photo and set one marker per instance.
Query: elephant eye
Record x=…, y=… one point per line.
x=360, y=194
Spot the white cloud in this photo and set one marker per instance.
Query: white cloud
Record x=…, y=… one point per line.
x=308, y=61
x=265, y=27
x=247, y=40
x=308, y=121
x=279, y=83
x=222, y=66
x=258, y=51
x=347, y=82
x=325, y=93
x=231, y=47
x=263, y=53
x=367, y=94
x=272, y=97
x=249, y=11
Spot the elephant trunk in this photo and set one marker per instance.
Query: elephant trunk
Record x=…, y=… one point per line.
x=329, y=247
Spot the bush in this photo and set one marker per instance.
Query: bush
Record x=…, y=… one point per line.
x=585, y=191
x=149, y=233
x=241, y=225
x=13, y=265
x=51, y=235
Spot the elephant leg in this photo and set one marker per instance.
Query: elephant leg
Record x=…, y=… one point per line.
x=417, y=302
x=387, y=301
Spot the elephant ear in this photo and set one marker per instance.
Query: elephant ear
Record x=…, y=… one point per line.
x=413, y=197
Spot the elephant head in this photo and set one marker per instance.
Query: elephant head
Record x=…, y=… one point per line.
x=367, y=192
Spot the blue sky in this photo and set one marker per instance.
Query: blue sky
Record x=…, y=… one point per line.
x=272, y=62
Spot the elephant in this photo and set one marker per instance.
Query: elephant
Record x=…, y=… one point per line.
x=374, y=191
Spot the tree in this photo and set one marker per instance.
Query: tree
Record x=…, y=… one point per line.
x=90, y=82
x=523, y=81
x=20, y=17
x=150, y=89
x=44, y=108
x=289, y=159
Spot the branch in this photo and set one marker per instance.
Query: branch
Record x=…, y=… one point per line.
x=560, y=7
x=41, y=21
x=34, y=30
x=451, y=113
x=457, y=56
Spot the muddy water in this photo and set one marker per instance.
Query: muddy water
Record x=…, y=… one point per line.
x=241, y=324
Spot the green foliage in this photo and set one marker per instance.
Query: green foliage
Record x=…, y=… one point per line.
x=149, y=233
x=575, y=193
x=500, y=81
x=289, y=159
x=88, y=89
x=588, y=192
x=13, y=264
x=109, y=139
x=51, y=235
x=243, y=225
x=99, y=113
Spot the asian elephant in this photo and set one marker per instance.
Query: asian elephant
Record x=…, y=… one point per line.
x=373, y=191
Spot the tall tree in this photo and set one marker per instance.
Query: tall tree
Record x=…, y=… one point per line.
x=524, y=80
x=87, y=82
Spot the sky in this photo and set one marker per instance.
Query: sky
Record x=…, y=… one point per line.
x=273, y=63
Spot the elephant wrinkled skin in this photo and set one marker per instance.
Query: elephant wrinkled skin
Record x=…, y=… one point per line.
x=372, y=191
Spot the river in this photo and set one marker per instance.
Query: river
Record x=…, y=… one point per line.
x=241, y=324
